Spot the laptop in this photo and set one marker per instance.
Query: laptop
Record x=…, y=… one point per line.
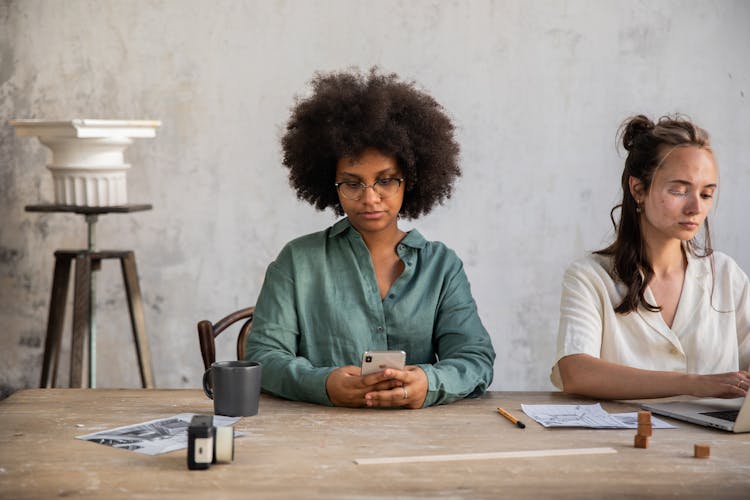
x=728, y=414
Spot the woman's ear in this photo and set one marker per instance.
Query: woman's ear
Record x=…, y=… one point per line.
x=636, y=189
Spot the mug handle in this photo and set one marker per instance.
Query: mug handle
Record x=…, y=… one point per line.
x=206, y=385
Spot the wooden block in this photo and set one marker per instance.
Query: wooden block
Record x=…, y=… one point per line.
x=701, y=451
x=644, y=417
x=641, y=441
x=645, y=430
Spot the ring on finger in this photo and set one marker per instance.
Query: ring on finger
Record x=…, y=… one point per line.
x=406, y=393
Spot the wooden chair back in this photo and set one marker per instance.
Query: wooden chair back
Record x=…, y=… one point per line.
x=207, y=333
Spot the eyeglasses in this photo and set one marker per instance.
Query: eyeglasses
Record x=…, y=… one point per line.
x=383, y=187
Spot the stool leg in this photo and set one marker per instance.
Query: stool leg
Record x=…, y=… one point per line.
x=133, y=292
x=56, y=318
x=81, y=306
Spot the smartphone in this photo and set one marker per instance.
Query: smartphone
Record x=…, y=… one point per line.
x=377, y=361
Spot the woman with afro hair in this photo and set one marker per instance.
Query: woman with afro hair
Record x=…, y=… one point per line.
x=373, y=149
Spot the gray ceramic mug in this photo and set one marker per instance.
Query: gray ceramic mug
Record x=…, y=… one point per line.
x=234, y=386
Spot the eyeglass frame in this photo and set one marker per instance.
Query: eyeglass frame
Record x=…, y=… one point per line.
x=364, y=187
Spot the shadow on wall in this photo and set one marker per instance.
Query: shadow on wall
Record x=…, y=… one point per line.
x=5, y=391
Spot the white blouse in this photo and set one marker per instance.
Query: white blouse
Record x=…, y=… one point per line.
x=710, y=332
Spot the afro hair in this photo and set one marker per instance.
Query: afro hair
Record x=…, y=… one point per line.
x=349, y=112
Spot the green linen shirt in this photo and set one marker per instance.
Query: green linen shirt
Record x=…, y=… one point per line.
x=320, y=309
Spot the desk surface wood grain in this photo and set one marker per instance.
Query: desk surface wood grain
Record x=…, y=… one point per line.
x=301, y=450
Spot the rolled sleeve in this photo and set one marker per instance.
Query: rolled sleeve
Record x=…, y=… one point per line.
x=580, y=329
x=274, y=340
x=581, y=323
x=463, y=346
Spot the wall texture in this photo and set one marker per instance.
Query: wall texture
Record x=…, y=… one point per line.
x=536, y=88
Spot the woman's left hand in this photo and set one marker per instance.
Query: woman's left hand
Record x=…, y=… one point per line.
x=411, y=394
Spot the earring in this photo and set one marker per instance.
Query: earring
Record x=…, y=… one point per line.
x=638, y=206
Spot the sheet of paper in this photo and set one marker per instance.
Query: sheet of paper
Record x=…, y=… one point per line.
x=155, y=436
x=592, y=416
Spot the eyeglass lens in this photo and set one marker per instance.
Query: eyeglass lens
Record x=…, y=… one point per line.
x=383, y=188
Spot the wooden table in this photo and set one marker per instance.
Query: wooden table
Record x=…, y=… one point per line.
x=298, y=450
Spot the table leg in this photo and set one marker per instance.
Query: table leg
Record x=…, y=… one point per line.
x=81, y=305
x=56, y=318
x=135, y=304
x=95, y=265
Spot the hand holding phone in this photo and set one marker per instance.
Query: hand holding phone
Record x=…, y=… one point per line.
x=377, y=361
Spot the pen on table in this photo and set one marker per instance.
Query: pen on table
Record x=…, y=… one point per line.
x=511, y=418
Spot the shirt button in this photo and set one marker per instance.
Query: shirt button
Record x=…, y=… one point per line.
x=392, y=296
x=673, y=350
x=380, y=328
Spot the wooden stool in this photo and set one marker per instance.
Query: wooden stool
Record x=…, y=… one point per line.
x=86, y=263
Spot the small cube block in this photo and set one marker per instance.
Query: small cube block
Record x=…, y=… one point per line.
x=701, y=451
x=641, y=441
x=644, y=417
x=645, y=430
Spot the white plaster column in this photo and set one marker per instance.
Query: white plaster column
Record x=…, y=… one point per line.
x=88, y=165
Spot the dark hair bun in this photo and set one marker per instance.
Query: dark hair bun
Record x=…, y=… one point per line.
x=634, y=129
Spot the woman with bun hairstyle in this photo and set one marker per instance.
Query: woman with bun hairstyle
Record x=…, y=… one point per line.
x=375, y=149
x=657, y=313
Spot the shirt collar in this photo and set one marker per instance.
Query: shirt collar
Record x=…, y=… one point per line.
x=412, y=239
x=698, y=268
x=339, y=227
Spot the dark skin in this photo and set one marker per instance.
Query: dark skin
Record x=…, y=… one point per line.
x=376, y=219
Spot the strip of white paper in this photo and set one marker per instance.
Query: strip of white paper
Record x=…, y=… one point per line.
x=486, y=456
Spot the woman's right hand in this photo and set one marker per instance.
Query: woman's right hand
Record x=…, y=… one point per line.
x=719, y=385
x=347, y=387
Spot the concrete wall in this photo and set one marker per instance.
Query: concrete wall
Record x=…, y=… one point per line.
x=536, y=88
